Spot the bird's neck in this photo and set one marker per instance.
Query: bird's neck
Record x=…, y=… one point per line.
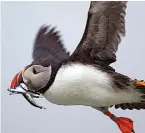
x=55, y=69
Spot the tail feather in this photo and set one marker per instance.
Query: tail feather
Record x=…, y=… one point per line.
x=140, y=87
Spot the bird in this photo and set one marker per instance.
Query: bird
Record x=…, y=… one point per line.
x=86, y=76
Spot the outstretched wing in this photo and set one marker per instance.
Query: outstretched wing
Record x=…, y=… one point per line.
x=48, y=48
x=104, y=29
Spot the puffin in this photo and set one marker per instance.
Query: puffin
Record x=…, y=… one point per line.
x=86, y=76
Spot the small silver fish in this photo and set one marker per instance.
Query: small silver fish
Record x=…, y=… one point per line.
x=28, y=95
x=29, y=98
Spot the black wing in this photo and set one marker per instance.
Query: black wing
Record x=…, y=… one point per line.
x=104, y=29
x=48, y=48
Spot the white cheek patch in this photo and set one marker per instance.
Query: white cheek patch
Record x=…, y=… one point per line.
x=40, y=68
x=40, y=79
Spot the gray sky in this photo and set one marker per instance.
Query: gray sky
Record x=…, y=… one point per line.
x=20, y=22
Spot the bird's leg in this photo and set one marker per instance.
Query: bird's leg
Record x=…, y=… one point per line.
x=124, y=124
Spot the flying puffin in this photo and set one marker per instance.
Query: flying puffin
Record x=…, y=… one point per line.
x=85, y=77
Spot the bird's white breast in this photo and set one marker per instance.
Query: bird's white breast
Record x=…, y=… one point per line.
x=79, y=84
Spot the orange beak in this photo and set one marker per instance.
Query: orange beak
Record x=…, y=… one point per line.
x=16, y=80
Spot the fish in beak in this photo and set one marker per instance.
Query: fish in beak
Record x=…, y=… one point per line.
x=18, y=86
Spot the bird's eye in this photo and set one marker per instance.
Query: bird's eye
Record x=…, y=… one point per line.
x=34, y=71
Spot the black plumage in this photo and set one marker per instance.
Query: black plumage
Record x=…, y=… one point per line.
x=48, y=48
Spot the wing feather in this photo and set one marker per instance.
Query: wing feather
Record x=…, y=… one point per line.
x=48, y=48
x=104, y=29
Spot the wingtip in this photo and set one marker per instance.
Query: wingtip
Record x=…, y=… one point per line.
x=48, y=28
x=44, y=28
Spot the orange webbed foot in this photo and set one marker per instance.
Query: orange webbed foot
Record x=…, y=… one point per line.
x=140, y=83
x=124, y=124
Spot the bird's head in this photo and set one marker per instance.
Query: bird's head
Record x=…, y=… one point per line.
x=34, y=76
x=48, y=53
